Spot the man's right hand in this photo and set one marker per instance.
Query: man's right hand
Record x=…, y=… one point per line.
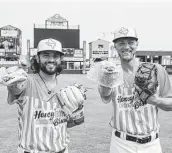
x=105, y=93
x=12, y=75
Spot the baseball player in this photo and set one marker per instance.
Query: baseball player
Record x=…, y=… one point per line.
x=146, y=87
x=44, y=112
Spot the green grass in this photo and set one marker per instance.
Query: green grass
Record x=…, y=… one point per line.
x=91, y=137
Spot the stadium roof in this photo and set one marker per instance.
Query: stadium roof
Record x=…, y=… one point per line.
x=9, y=27
x=98, y=40
x=154, y=53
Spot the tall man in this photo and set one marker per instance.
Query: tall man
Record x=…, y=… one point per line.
x=41, y=115
x=135, y=119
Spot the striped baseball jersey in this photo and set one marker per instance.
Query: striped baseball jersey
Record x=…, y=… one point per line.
x=42, y=122
x=144, y=119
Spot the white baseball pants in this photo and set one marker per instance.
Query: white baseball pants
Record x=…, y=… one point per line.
x=119, y=145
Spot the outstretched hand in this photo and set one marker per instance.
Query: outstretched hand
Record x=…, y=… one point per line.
x=12, y=75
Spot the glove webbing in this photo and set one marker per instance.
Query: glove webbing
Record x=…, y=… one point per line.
x=143, y=96
x=148, y=72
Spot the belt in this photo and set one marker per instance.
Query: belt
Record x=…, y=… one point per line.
x=62, y=151
x=136, y=139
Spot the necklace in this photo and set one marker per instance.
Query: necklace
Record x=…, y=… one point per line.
x=49, y=91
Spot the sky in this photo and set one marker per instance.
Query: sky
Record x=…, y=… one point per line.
x=97, y=19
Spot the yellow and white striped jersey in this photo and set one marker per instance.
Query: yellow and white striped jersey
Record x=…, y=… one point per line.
x=143, y=120
x=42, y=122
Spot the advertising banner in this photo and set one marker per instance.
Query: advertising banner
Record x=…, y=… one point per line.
x=99, y=53
x=69, y=52
x=8, y=33
x=78, y=53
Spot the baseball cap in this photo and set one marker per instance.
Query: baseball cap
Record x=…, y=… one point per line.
x=49, y=44
x=125, y=32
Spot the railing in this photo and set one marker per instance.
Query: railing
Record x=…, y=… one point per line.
x=9, y=62
x=55, y=26
x=67, y=71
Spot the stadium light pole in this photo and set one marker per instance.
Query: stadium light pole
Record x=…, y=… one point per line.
x=84, y=57
x=28, y=48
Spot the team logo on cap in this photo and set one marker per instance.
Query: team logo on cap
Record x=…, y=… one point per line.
x=51, y=43
x=123, y=31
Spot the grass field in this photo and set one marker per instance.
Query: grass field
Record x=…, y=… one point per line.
x=91, y=137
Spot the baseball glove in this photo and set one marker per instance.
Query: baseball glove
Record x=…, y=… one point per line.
x=72, y=101
x=12, y=75
x=146, y=82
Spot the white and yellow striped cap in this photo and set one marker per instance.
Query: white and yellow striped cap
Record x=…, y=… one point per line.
x=49, y=44
x=124, y=32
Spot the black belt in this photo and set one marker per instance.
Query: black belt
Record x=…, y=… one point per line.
x=62, y=151
x=136, y=139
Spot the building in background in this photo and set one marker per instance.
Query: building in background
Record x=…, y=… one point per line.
x=10, y=45
x=58, y=28
x=98, y=50
x=162, y=57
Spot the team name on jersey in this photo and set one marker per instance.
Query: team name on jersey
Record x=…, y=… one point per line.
x=122, y=99
x=129, y=101
x=54, y=117
x=44, y=115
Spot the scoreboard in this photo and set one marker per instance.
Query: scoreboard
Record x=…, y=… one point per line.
x=70, y=38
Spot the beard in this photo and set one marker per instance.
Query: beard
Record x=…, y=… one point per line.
x=46, y=69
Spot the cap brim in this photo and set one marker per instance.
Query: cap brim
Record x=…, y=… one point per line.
x=51, y=50
x=114, y=40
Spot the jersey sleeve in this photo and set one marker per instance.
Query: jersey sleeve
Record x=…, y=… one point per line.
x=165, y=87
